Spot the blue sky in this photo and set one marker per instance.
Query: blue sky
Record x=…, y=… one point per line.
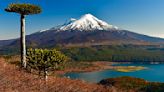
x=141, y=16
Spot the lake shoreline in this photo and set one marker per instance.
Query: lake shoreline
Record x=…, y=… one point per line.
x=94, y=66
x=15, y=79
x=100, y=66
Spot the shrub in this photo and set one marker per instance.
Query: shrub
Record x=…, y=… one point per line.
x=126, y=83
x=44, y=60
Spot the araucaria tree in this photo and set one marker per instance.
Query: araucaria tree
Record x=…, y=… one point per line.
x=44, y=60
x=23, y=10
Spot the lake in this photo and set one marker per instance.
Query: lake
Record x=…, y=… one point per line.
x=154, y=73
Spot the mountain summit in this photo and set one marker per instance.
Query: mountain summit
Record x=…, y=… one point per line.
x=87, y=22
x=86, y=31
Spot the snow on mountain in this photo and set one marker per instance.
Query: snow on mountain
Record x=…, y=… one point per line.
x=43, y=30
x=66, y=23
x=87, y=23
x=73, y=33
x=73, y=19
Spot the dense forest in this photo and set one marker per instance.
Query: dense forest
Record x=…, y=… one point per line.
x=121, y=53
x=118, y=53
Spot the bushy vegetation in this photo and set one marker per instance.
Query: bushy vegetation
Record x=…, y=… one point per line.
x=122, y=53
x=44, y=60
x=78, y=65
x=133, y=84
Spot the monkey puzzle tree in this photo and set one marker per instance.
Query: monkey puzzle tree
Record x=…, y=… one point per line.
x=23, y=10
x=44, y=60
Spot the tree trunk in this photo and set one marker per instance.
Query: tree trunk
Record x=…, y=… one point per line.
x=45, y=74
x=23, y=42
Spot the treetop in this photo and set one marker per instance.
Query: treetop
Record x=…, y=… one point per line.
x=24, y=9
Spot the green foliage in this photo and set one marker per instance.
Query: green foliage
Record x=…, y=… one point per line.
x=124, y=53
x=24, y=9
x=118, y=53
x=78, y=65
x=44, y=59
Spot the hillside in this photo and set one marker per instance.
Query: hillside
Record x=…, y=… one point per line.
x=13, y=79
x=130, y=84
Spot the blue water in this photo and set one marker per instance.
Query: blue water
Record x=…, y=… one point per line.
x=154, y=73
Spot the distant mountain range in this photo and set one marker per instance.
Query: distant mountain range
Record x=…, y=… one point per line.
x=86, y=31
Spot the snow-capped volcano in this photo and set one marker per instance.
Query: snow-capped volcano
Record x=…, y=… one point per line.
x=87, y=23
x=86, y=31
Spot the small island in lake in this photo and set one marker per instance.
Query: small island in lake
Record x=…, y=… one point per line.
x=129, y=68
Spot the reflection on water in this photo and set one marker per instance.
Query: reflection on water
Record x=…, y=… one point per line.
x=154, y=73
